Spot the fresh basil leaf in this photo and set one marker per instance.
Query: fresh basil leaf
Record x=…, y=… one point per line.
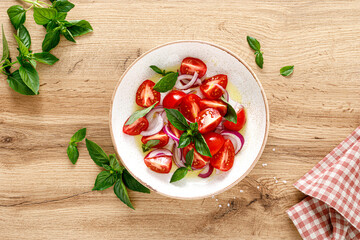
x=51, y=25
x=133, y=184
x=230, y=112
x=18, y=85
x=138, y=114
x=149, y=144
x=157, y=70
x=6, y=67
x=194, y=126
x=114, y=163
x=79, y=27
x=106, y=167
x=24, y=36
x=63, y=5
x=33, y=62
x=179, y=174
x=259, y=59
x=96, y=153
x=43, y=16
x=104, y=180
x=51, y=40
x=286, y=71
x=46, y=58
x=201, y=145
x=30, y=76
x=121, y=192
x=61, y=16
x=67, y=34
x=189, y=158
x=177, y=119
x=79, y=135
x=166, y=83
x=24, y=51
x=6, y=51
x=253, y=43
x=184, y=140
x=17, y=15
x=73, y=153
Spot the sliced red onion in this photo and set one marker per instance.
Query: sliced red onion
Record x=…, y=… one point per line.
x=155, y=126
x=235, y=137
x=159, y=152
x=168, y=132
x=225, y=92
x=220, y=127
x=178, y=84
x=164, y=117
x=156, y=109
x=178, y=156
x=208, y=170
x=185, y=77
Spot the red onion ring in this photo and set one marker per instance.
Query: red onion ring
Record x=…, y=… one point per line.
x=168, y=132
x=225, y=93
x=159, y=152
x=155, y=124
x=178, y=156
x=208, y=170
x=178, y=84
x=235, y=137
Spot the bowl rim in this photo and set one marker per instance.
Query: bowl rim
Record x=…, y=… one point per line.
x=267, y=125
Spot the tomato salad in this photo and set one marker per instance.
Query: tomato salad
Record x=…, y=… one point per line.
x=187, y=119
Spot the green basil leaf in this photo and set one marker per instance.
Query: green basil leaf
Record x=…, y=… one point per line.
x=194, y=126
x=24, y=51
x=184, y=140
x=133, y=184
x=67, y=34
x=63, y=5
x=6, y=51
x=259, y=59
x=156, y=69
x=24, y=36
x=43, y=16
x=230, y=112
x=114, y=163
x=6, y=67
x=104, y=180
x=33, y=62
x=177, y=119
x=51, y=40
x=121, y=192
x=166, y=83
x=18, y=85
x=149, y=144
x=79, y=135
x=61, y=16
x=96, y=153
x=286, y=71
x=189, y=158
x=17, y=15
x=51, y=26
x=79, y=27
x=201, y=145
x=73, y=153
x=46, y=58
x=106, y=167
x=253, y=43
x=138, y=114
x=179, y=174
x=30, y=76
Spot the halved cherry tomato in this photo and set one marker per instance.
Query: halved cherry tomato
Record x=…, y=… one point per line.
x=210, y=90
x=214, y=141
x=224, y=158
x=161, y=136
x=141, y=124
x=199, y=160
x=189, y=106
x=208, y=119
x=146, y=95
x=241, y=120
x=159, y=164
x=217, y=104
x=191, y=65
x=175, y=131
x=173, y=99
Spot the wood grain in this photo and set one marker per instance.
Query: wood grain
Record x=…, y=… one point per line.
x=43, y=196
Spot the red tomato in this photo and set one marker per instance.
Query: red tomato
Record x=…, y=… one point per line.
x=241, y=120
x=146, y=95
x=224, y=158
x=191, y=65
x=173, y=99
x=199, y=160
x=214, y=141
x=208, y=119
x=175, y=131
x=141, y=124
x=210, y=90
x=161, y=136
x=217, y=104
x=190, y=106
x=159, y=164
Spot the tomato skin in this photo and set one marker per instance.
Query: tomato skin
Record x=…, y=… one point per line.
x=161, y=136
x=217, y=104
x=141, y=124
x=191, y=65
x=199, y=160
x=146, y=95
x=241, y=120
x=173, y=99
x=175, y=131
x=214, y=141
x=224, y=158
x=159, y=164
x=210, y=90
x=208, y=119
x=190, y=107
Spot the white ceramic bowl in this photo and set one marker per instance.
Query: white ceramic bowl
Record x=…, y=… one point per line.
x=218, y=60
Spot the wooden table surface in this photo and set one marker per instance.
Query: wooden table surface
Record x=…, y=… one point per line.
x=44, y=196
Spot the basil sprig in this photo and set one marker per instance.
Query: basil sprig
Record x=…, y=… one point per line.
x=138, y=114
x=72, y=150
x=287, y=70
x=166, y=83
x=191, y=132
x=149, y=144
x=230, y=112
x=254, y=44
x=159, y=71
x=180, y=173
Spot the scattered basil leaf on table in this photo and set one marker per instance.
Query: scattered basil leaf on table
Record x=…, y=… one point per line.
x=230, y=112
x=121, y=192
x=287, y=70
x=114, y=163
x=46, y=58
x=24, y=36
x=43, y=16
x=72, y=150
x=79, y=135
x=63, y=5
x=133, y=184
x=259, y=59
x=166, y=83
x=30, y=76
x=176, y=119
x=51, y=40
x=159, y=71
x=255, y=45
x=6, y=51
x=180, y=173
x=104, y=180
x=96, y=153
x=138, y=114
x=23, y=50
x=17, y=15
x=149, y=144
x=79, y=27
x=16, y=83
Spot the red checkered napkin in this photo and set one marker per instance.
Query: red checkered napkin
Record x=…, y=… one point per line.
x=332, y=209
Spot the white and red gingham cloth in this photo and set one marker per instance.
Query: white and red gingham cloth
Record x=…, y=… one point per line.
x=332, y=208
